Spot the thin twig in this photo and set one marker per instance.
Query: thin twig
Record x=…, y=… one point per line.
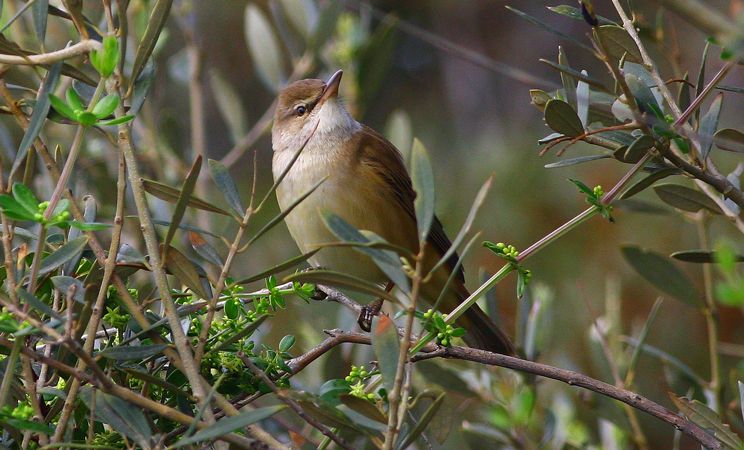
x=566, y=376
x=292, y=404
x=80, y=48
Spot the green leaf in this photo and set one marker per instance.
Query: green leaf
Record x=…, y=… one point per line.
x=226, y=185
x=183, y=197
x=648, y=181
x=72, y=249
x=155, y=24
x=230, y=424
x=106, y=59
x=141, y=89
x=41, y=109
x=40, y=12
x=561, y=117
x=203, y=249
x=363, y=407
x=247, y=331
x=116, y=121
x=232, y=309
x=29, y=425
x=23, y=195
x=582, y=187
x=575, y=13
x=121, y=415
x=73, y=100
x=665, y=276
x=638, y=149
x=568, y=81
x=730, y=140
x=686, y=199
x=575, y=161
x=331, y=391
x=700, y=82
x=229, y=104
x=386, y=260
x=644, y=97
x=708, y=420
x=480, y=197
x=37, y=304
x=14, y=210
x=106, y=106
x=171, y=195
x=286, y=343
x=89, y=226
x=64, y=283
x=264, y=48
x=521, y=285
x=618, y=43
x=550, y=28
x=575, y=74
x=708, y=126
x=279, y=217
x=701, y=256
x=340, y=280
x=292, y=262
x=185, y=271
x=422, y=177
x=133, y=352
x=386, y=345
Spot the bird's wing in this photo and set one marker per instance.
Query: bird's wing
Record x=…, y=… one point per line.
x=389, y=166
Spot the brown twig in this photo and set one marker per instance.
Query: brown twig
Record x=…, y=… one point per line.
x=543, y=370
x=292, y=404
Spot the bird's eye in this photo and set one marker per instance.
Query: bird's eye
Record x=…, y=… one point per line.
x=300, y=110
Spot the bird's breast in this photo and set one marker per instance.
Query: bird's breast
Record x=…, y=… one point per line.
x=342, y=193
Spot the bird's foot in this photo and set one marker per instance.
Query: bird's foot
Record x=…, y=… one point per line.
x=367, y=313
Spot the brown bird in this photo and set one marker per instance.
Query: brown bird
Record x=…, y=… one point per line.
x=368, y=186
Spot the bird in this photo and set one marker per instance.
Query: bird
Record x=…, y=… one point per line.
x=365, y=182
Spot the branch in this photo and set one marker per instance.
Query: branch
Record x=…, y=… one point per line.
x=53, y=57
x=292, y=404
x=495, y=359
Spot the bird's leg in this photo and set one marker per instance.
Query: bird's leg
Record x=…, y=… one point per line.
x=371, y=310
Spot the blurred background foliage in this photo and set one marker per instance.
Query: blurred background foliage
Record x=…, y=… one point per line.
x=456, y=75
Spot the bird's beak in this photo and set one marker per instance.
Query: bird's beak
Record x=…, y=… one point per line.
x=331, y=88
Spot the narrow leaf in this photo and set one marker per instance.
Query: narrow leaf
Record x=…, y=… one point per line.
x=25, y=198
x=72, y=249
x=664, y=275
x=203, y=249
x=708, y=126
x=422, y=177
x=264, y=48
x=700, y=256
x=648, y=181
x=386, y=345
x=226, y=185
x=582, y=101
x=363, y=407
x=184, y=270
x=568, y=81
x=183, y=198
x=549, y=28
x=575, y=73
x=575, y=13
x=279, y=217
x=709, y=420
x=155, y=24
x=341, y=280
x=230, y=424
x=574, y=161
x=133, y=352
x=121, y=415
x=40, y=13
x=41, y=109
x=686, y=199
x=480, y=197
x=37, y=304
x=422, y=423
x=386, y=260
x=171, y=195
x=279, y=267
